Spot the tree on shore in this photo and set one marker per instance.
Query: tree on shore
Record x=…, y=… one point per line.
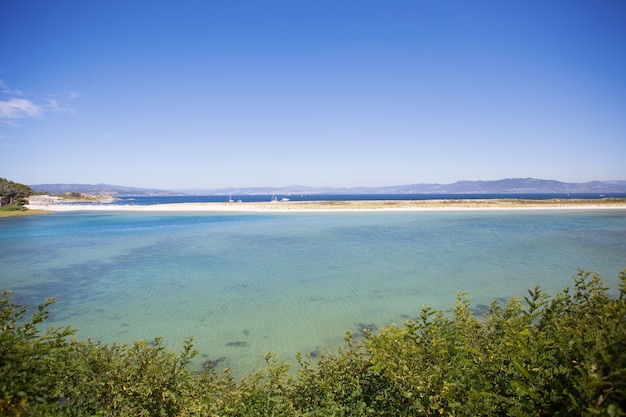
x=13, y=193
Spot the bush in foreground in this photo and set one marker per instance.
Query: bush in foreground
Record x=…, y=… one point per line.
x=544, y=355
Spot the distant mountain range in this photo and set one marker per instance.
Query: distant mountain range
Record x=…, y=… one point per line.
x=100, y=189
x=504, y=186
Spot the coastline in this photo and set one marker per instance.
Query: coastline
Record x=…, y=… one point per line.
x=352, y=205
x=21, y=213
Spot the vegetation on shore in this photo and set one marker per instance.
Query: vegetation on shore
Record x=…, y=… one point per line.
x=13, y=196
x=22, y=212
x=557, y=355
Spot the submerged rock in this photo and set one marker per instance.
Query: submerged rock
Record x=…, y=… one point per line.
x=213, y=363
x=238, y=343
x=367, y=329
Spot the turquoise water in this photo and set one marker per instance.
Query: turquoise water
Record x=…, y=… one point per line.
x=245, y=284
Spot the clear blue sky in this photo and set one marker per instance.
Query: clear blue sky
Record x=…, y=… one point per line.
x=208, y=94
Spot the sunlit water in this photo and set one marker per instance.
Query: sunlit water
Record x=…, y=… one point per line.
x=246, y=284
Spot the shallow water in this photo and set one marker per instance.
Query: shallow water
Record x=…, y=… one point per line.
x=244, y=284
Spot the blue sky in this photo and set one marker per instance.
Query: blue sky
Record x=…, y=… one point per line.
x=209, y=94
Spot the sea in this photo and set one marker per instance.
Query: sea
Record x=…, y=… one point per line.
x=245, y=284
x=145, y=200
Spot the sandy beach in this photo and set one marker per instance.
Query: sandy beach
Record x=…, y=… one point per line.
x=356, y=205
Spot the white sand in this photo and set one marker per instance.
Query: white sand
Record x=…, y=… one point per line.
x=328, y=206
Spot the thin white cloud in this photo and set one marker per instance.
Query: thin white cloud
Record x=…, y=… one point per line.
x=4, y=88
x=16, y=107
x=52, y=106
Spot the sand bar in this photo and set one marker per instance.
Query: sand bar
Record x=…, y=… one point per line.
x=349, y=205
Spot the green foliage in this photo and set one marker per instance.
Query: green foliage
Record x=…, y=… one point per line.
x=14, y=206
x=560, y=356
x=541, y=356
x=139, y=380
x=12, y=193
x=338, y=383
x=29, y=359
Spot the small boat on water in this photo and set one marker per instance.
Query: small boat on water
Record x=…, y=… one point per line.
x=276, y=200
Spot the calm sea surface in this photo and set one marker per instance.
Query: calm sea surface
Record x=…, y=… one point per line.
x=143, y=200
x=244, y=284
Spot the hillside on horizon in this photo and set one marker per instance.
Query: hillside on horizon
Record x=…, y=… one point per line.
x=503, y=186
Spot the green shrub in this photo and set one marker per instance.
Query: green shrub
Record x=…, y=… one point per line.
x=560, y=356
x=541, y=356
x=16, y=206
x=30, y=361
x=139, y=380
x=340, y=383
